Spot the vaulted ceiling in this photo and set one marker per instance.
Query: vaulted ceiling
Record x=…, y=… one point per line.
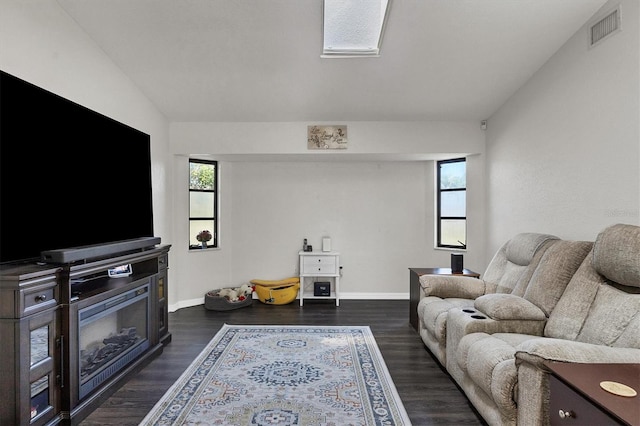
x=259, y=60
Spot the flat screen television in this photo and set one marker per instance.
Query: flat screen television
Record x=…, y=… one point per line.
x=69, y=176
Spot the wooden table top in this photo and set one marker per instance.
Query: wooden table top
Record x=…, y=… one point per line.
x=444, y=271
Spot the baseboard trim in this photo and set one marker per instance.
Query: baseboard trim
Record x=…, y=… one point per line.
x=374, y=296
x=343, y=296
x=186, y=304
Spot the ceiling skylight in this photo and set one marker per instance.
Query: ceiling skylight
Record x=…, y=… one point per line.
x=353, y=28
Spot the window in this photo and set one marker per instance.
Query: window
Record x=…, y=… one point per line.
x=452, y=204
x=353, y=29
x=203, y=204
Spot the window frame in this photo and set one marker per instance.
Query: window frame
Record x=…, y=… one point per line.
x=213, y=243
x=439, y=217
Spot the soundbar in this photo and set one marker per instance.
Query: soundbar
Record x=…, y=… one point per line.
x=73, y=254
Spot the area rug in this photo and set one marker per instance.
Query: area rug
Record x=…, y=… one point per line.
x=284, y=375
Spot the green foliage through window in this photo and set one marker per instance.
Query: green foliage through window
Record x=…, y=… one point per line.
x=202, y=176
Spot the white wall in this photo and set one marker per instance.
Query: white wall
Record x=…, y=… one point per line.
x=371, y=211
x=563, y=153
x=389, y=138
x=379, y=214
x=42, y=45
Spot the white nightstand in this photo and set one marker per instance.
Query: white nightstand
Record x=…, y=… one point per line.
x=318, y=264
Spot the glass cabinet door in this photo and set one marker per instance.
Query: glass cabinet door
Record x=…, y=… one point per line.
x=39, y=344
x=42, y=402
x=162, y=303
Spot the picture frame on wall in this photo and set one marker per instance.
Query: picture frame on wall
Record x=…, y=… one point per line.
x=327, y=137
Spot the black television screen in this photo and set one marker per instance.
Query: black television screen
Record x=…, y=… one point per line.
x=69, y=176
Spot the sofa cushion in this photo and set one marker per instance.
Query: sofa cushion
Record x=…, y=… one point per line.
x=567, y=318
x=511, y=277
x=612, y=314
x=616, y=254
x=558, y=264
x=513, y=264
x=433, y=311
x=508, y=307
x=521, y=248
x=451, y=286
x=609, y=320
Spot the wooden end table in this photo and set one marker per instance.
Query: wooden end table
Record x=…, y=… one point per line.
x=415, y=290
x=576, y=397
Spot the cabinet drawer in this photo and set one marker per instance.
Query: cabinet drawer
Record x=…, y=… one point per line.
x=567, y=407
x=163, y=262
x=319, y=265
x=38, y=298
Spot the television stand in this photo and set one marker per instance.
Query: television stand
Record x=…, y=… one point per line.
x=44, y=330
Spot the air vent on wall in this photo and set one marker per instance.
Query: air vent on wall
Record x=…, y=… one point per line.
x=605, y=27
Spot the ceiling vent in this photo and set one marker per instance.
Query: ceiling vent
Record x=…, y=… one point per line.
x=604, y=28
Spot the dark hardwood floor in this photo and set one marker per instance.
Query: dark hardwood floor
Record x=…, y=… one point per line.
x=429, y=395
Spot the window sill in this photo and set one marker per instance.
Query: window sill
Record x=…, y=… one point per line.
x=198, y=249
x=451, y=249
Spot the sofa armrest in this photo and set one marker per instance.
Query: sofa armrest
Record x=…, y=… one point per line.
x=537, y=351
x=463, y=321
x=452, y=286
x=502, y=306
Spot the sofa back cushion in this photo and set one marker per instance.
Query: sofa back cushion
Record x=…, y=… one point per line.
x=613, y=319
x=556, y=268
x=514, y=263
x=565, y=321
x=614, y=316
x=594, y=308
x=616, y=254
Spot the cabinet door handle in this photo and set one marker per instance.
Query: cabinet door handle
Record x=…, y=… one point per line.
x=566, y=414
x=60, y=342
x=41, y=298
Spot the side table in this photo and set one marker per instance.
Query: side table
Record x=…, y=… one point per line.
x=576, y=397
x=415, y=290
x=319, y=265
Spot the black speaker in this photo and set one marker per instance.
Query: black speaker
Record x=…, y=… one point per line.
x=322, y=288
x=456, y=263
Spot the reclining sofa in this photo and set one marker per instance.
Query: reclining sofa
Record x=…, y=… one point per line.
x=508, y=272
x=580, y=304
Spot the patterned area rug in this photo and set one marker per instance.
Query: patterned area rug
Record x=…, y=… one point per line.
x=284, y=375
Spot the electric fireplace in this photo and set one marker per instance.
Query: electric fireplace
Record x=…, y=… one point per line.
x=111, y=334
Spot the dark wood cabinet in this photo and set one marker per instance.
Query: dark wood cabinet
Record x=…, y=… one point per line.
x=41, y=313
x=30, y=345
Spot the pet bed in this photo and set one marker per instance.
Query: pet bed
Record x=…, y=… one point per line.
x=213, y=302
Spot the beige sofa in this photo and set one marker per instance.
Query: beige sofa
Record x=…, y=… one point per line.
x=581, y=304
x=508, y=272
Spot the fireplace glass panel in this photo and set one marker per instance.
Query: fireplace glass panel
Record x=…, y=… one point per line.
x=111, y=334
